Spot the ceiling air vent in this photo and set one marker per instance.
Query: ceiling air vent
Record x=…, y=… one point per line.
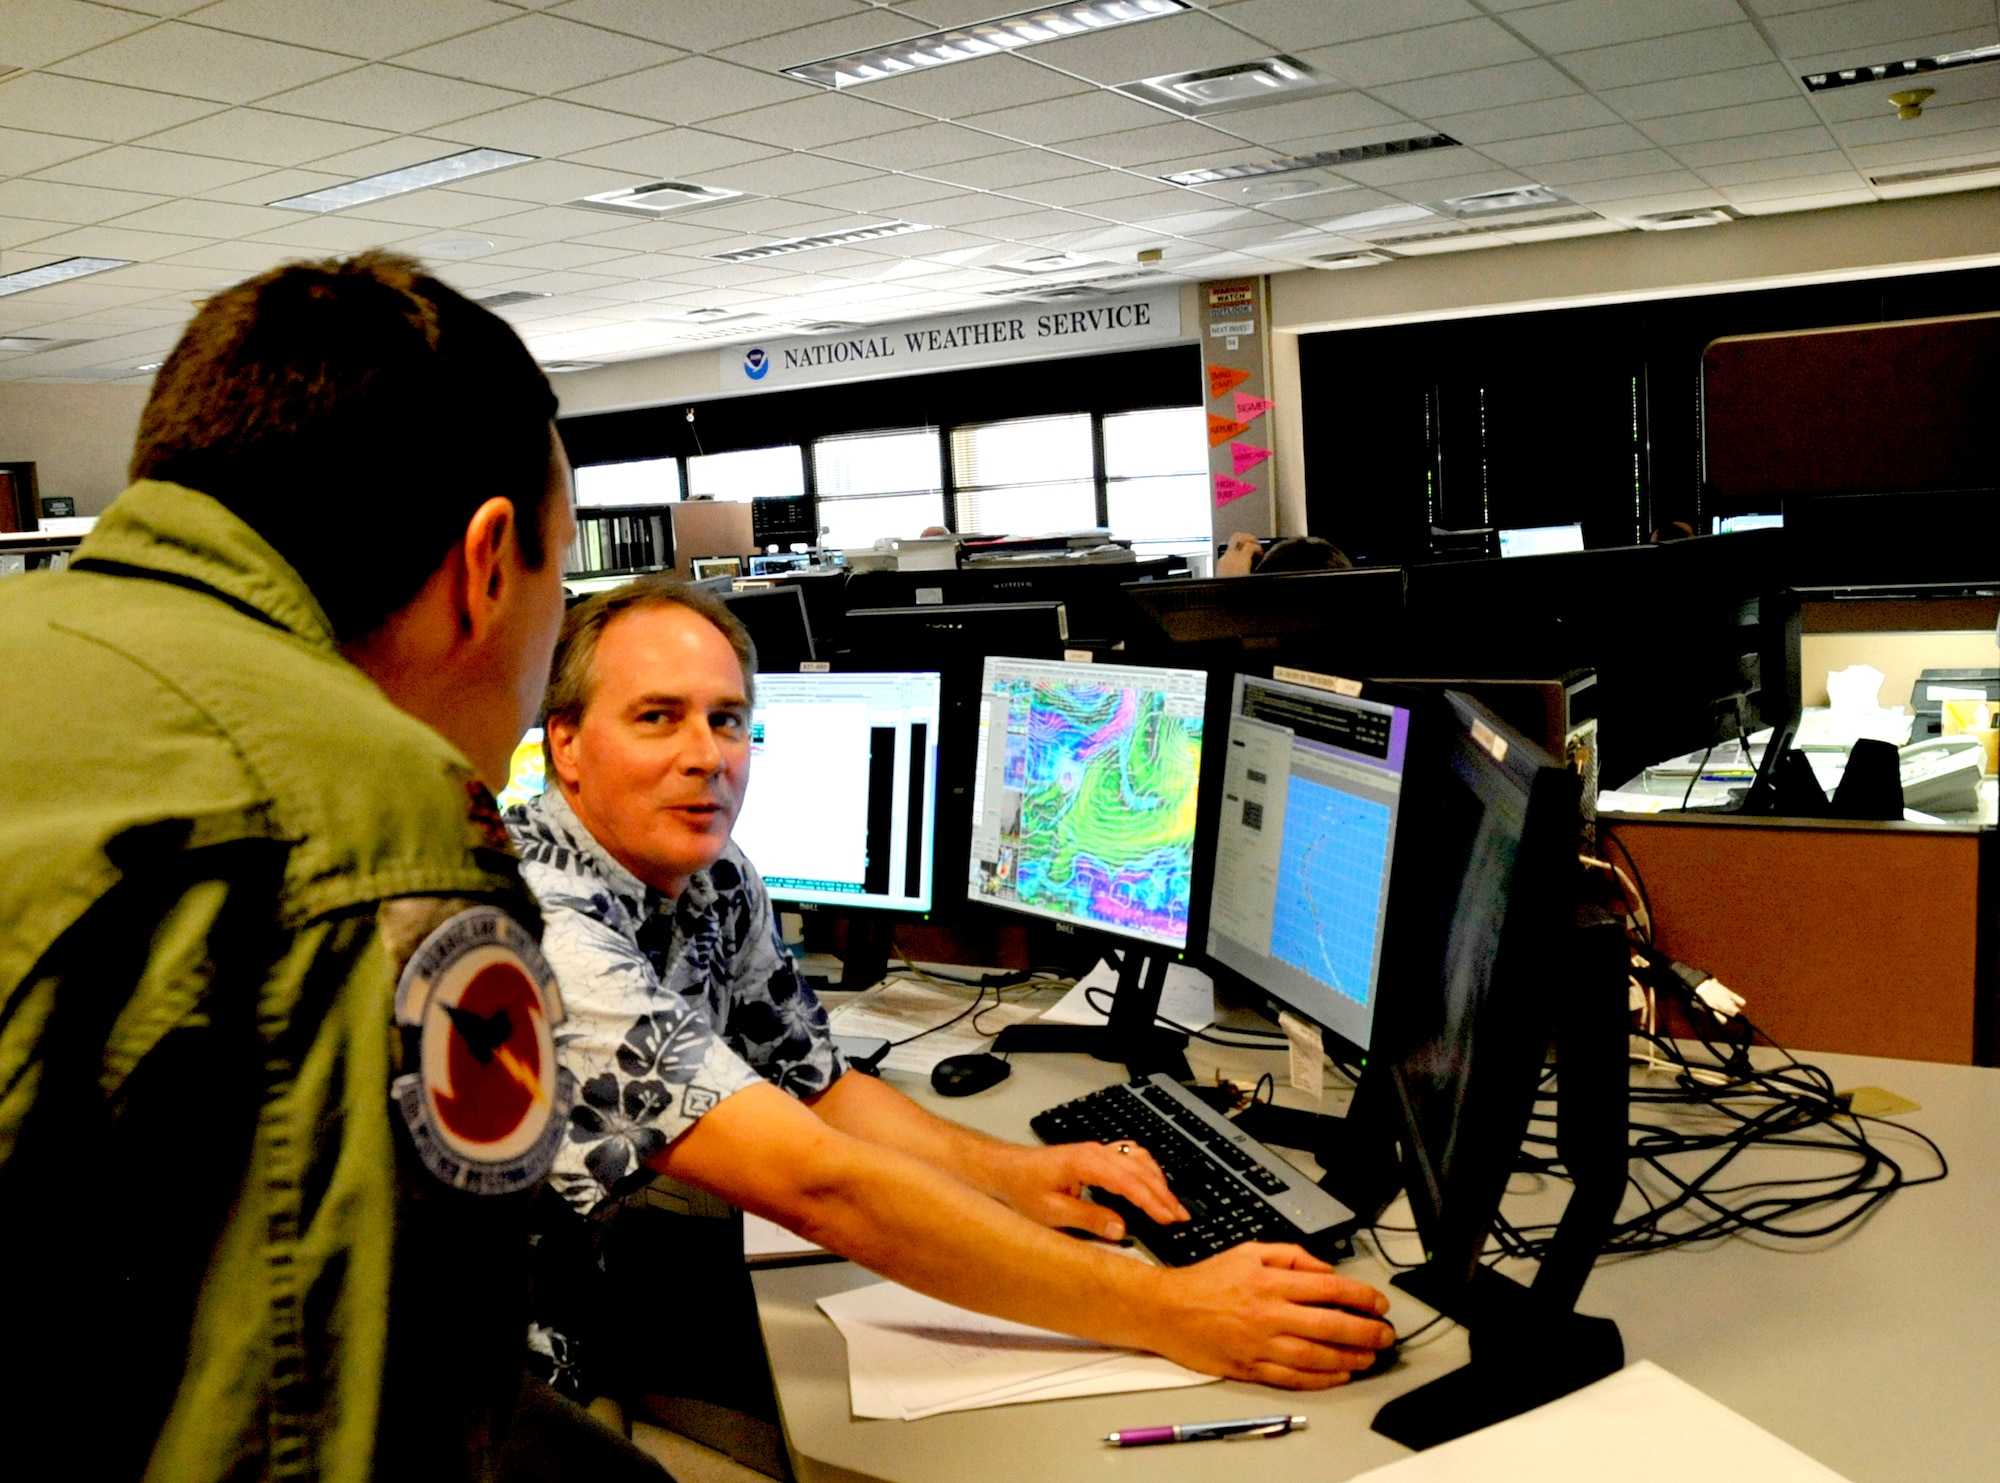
x=818, y=239
x=1501, y=202
x=1353, y=154
x=558, y=367
x=1680, y=221
x=656, y=198
x=1940, y=172
x=510, y=298
x=1348, y=260
x=1244, y=85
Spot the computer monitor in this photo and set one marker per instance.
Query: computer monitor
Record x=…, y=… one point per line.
x=527, y=771
x=841, y=808
x=1086, y=784
x=958, y=634
x=709, y=528
x=1729, y=525
x=776, y=618
x=1540, y=540
x=1312, y=783
x=1497, y=972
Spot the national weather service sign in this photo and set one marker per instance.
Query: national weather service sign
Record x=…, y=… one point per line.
x=1013, y=333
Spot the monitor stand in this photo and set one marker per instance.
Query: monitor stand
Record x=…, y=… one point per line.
x=1357, y=1152
x=1529, y=1345
x=865, y=951
x=1132, y=1034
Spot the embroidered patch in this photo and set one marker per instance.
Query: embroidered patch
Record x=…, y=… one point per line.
x=487, y=1106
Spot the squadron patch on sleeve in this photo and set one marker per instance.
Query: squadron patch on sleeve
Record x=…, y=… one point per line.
x=487, y=1105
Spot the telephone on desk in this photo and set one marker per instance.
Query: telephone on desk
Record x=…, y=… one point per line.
x=1941, y=775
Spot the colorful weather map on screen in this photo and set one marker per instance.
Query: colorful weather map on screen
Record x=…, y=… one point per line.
x=1096, y=796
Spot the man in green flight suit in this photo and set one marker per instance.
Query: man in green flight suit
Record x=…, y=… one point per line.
x=276, y=1067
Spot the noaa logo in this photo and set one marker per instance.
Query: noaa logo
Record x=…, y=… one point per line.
x=755, y=364
x=487, y=1106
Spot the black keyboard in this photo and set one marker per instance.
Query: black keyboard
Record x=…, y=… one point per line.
x=1235, y=1189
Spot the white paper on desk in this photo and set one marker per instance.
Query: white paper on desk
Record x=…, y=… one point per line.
x=1188, y=999
x=910, y=1356
x=1641, y=1425
x=766, y=1240
x=1842, y=729
x=1611, y=801
x=898, y=1009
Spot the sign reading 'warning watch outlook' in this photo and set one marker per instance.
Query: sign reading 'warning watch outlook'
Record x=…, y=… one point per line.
x=1013, y=332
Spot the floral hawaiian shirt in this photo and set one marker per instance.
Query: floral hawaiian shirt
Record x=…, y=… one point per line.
x=672, y=1005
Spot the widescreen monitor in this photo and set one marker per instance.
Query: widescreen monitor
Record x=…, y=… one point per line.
x=1312, y=784
x=841, y=809
x=1729, y=525
x=1086, y=779
x=1540, y=540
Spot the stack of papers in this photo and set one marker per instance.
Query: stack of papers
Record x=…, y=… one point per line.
x=1188, y=1000
x=898, y=1009
x=1641, y=1425
x=909, y=1356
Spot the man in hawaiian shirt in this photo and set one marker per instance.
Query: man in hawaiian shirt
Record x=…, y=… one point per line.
x=701, y=1054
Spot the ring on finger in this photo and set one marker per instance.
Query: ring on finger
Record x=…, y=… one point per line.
x=1124, y=1148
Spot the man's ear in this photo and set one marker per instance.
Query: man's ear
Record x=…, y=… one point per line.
x=491, y=549
x=561, y=733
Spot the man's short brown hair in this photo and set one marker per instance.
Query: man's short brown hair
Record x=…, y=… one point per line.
x=354, y=414
x=572, y=676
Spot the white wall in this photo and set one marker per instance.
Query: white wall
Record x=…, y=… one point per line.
x=78, y=436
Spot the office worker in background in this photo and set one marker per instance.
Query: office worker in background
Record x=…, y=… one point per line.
x=702, y=1054
x=1245, y=554
x=252, y=1225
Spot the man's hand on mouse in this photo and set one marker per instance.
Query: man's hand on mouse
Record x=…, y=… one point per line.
x=1047, y=1184
x=1274, y=1314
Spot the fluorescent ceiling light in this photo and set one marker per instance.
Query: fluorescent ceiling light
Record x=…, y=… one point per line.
x=1847, y=77
x=818, y=239
x=1496, y=203
x=1934, y=172
x=656, y=198
x=1353, y=155
x=1051, y=262
x=1241, y=85
x=455, y=247
x=23, y=342
x=399, y=182
x=511, y=297
x=987, y=38
x=60, y=271
x=1678, y=221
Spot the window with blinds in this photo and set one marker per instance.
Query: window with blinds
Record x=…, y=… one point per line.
x=749, y=473
x=645, y=481
x=1156, y=480
x=872, y=485
x=1026, y=477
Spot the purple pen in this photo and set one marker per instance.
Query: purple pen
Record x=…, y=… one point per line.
x=1207, y=1431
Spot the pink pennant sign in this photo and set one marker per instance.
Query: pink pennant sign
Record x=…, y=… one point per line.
x=1247, y=455
x=1228, y=489
x=1250, y=407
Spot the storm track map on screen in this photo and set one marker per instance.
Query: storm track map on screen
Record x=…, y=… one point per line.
x=1085, y=806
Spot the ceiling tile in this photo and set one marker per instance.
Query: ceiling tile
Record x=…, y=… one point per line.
x=1150, y=146
x=1728, y=123
x=538, y=54
x=1525, y=120
x=133, y=167
x=918, y=148
x=1807, y=203
x=1431, y=165
x=1563, y=173
x=555, y=255
x=273, y=185
x=386, y=155
x=1874, y=25
x=438, y=210
x=1693, y=94
x=264, y=138
x=1330, y=113
x=206, y=219
x=1698, y=154
x=332, y=234
x=772, y=218
x=39, y=32
x=1017, y=167
x=1635, y=187
x=1746, y=192
x=965, y=208
x=881, y=193
x=674, y=154
x=1455, y=47
x=1097, y=188
x=1573, y=144
x=834, y=38
x=785, y=174
x=1687, y=55
x=1784, y=167
x=1974, y=146
x=1062, y=120
x=547, y=126
x=1178, y=43
x=391, y=98
x=1916, y=46
x=1491, y=87
x=706, y=27
x=47, y=200
x=541, y=183
x=46, y=103
x=1300, y=25
x=1576, y=24
x=978, y=86
x=26, y=152
x=691, y=90
x=828, y=118
x=103, y=241
x=203, y=63
x=1945, y=133
x=237, y=259
x=374, y=29
x=544, y=223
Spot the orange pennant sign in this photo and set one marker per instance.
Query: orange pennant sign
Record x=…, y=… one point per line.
x=1221, y=430
x=1224, y=379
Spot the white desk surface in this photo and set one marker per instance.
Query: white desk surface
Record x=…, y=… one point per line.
x=1876, y=1352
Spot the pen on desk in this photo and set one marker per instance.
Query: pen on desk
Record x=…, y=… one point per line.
x=1208, y=1431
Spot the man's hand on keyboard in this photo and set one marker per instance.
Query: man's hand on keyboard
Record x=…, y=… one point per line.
x=1273, y=1314
x=1047, y=1184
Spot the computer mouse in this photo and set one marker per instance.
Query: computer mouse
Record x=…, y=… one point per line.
x=961, y=1076
x=1385, y=1359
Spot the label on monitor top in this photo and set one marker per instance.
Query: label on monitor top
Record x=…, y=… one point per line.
x=1488, y=738
x=815, y=667
x=1338, y=685
x=1077, y=656
x=930, y=597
